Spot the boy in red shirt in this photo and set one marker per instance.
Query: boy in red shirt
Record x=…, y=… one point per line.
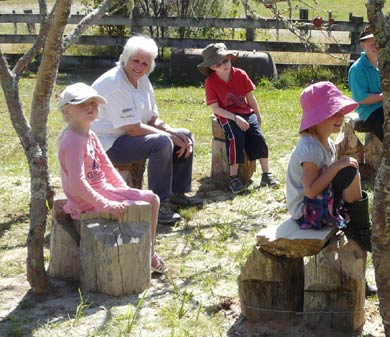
x=229, y=92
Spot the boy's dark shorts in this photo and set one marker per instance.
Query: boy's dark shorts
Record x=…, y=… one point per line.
x=251, y=141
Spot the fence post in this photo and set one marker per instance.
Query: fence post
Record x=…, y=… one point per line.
x=250, y=33
x=30, y=25
x=15, y=24
x=136, y=14
x=303, y=14
x=357, y=25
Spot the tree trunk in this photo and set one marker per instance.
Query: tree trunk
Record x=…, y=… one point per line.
x=33, y=136
x=41, y=191
x=381, y=211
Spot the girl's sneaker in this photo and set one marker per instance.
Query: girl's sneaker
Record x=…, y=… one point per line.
x=158, y=265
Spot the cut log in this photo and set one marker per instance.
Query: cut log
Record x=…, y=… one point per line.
x=335, y=286
x=220, y=167
x=271, y=287
x=349, y=145
x=115, y=255
x=288, y=240
x=373, y=151
x=64, y=244
x=219, y=163
x=216, y=129
x=132, y=173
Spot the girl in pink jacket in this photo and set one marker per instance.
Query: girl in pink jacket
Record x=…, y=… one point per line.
x=89, y=180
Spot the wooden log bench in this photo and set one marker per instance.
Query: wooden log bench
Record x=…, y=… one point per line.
x=219, y=163
x=111, y=255
x=132, y=173
x=314, y=275
x=367, y=153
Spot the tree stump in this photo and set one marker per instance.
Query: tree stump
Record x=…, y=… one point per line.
x=132, y=173
x=328, y=291
x=349, y=145
x=64, y=246
x=373, y=150
x=270, y=287
x=335, y=286
x=115, y=254
x=219, y=163
x=288, y=240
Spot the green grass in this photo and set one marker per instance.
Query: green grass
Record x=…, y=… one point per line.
x=340, y=9
x=204, y=252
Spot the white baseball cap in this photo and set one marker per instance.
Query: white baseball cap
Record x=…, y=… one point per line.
x=78, y=93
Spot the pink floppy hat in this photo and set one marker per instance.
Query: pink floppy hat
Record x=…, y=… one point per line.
x=322, y=100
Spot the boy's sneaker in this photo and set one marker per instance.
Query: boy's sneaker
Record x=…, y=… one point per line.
x=167, y=217
x=236, y=185
x=268, y=179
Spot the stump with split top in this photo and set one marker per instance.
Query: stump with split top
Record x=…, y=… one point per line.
x=313, y=274
x=348, y=144
x=219, y=163
x=112, y=255
x=132, y=173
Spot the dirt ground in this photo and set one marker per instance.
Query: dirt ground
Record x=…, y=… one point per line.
x=22, y=313
x=17, y=301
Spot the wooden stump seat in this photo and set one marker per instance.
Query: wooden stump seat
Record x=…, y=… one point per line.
x=368, y=153
x=111, y=256
x=132, y=173
x=219, y=163
x=312, y=274
x=64, y=246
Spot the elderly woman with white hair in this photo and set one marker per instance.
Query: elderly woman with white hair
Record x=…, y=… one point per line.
x=130, y=129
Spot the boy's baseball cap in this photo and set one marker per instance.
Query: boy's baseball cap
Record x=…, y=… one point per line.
x=78, y=93
x=322, y=100
x=213, y=54
x=366, y=33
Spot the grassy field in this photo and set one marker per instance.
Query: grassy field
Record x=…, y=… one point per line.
x=205, y=251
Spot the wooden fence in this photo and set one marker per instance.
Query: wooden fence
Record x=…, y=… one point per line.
x=248, y=41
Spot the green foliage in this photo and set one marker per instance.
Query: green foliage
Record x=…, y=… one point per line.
x=301, y=76
x=118, y=7
x=131, y=316
x=83, y=304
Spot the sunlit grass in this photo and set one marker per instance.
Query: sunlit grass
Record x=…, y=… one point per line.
x=204, y=252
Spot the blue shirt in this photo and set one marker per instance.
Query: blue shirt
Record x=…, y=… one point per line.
x=364, y=80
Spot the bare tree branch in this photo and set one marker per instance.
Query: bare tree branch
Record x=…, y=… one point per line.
x=88, y=20
x=42, y=7
x=47, y=71
x=39, y=43
x=5, y=73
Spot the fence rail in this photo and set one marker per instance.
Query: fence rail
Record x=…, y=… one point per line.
x=351, y=47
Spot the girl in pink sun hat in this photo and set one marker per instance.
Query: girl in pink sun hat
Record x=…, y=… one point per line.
x=320, y=189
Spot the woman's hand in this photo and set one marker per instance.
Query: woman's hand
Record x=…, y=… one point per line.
x=242, y=123
x=183, y=142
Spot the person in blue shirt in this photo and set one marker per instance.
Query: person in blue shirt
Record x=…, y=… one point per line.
x=365, y=84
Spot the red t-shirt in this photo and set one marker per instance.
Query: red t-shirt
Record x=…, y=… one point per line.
x=230, y=95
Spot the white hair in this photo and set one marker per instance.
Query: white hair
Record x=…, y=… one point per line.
x=136, y=43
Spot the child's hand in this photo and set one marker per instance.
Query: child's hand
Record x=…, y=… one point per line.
x=348, y=161
x=117, y=208
x=242, y=123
